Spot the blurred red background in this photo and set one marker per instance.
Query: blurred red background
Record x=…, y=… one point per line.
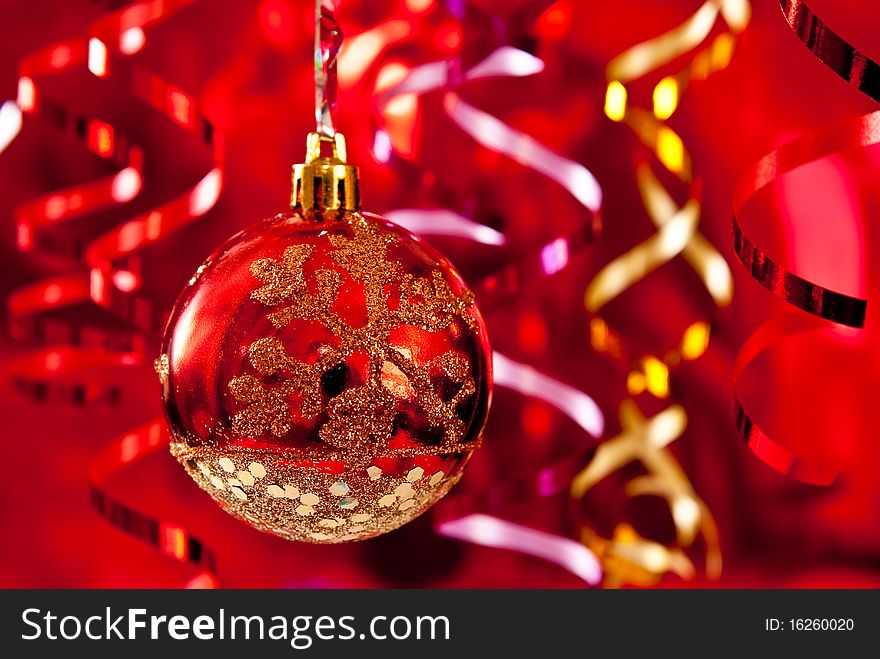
x=247, y=62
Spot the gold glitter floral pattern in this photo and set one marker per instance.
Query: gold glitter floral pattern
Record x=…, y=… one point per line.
x=266, y=407
x=363, y=415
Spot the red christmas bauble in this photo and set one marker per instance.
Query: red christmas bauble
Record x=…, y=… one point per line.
x=325, y=381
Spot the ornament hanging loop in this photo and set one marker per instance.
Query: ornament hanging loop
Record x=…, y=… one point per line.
x=315, y=143
x=328, y=40
x=324, y=185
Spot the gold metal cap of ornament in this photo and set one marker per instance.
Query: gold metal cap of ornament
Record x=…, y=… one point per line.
x=325, y=182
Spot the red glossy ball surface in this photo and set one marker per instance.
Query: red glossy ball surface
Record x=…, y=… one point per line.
x=326, y=380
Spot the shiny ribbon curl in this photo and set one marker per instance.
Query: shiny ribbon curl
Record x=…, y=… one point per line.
x=174, y=541
x=676, y=225
x=81, y=364
x=819, y=301
x=626, y=556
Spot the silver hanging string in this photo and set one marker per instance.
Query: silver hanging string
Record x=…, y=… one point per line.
x=328, y=39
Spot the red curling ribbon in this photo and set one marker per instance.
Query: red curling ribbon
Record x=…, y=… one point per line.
x=804, y=294
x=33, y=316
x=112, y=257
x=811, y=297
x=834, y=51
x=47, y=225
x=769, y=450
x=82, y=364
x=171, y=539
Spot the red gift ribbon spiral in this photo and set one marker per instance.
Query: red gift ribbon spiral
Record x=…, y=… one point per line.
x=811, y=297
x=105, y=271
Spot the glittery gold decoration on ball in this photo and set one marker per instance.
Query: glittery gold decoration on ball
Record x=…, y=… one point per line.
x=327, y=375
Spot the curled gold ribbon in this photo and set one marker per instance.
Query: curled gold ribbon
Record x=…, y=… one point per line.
x=677, y=226
x=627, y=557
